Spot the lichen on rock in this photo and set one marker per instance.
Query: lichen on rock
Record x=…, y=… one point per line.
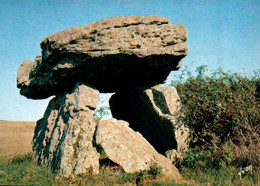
x=109, y=54
x=130, y=56
x=63, y=138
x=130, y=149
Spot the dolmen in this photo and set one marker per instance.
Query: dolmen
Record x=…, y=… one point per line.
x=128, y=56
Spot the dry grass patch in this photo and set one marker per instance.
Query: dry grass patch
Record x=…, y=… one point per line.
x=16, y=137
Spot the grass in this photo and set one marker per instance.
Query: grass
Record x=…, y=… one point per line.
x=23, y=170
x=223, y=176
x=202, y=166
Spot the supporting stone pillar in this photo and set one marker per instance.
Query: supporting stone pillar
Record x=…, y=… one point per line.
x=155, y=114
x=63, y=138
x=67, y=138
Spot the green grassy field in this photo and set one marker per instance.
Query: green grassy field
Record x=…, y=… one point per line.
x=21, y=170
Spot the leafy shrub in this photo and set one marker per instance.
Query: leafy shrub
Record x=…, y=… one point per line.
x=223, y=113
x=208, y=158
x=221, y=107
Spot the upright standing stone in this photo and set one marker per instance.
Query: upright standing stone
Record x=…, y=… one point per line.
x=63, y=138
x=154, y=112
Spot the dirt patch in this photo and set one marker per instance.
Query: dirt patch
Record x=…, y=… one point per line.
x=16, y=137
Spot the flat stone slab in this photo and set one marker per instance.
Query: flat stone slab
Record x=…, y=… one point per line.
x=130, y=149
x=109, y=54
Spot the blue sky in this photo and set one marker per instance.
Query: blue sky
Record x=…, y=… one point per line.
x=221, y=33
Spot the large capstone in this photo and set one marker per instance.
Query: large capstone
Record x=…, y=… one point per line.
x=110, y=54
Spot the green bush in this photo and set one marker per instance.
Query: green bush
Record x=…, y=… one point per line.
x=220, y=107
x=223, y=113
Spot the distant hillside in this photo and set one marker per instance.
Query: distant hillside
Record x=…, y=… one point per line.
x=15, y=137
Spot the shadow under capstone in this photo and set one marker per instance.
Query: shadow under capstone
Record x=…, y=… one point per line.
x=134, y=106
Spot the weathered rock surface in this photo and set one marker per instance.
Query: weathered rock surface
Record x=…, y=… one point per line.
x=154, y=113
x=63, y=138
x=130, y=149
x=23, y=73
x=109, y=54
x=126, y=55
x=67, y=138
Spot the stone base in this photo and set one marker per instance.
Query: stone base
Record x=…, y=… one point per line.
x=68, y=139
